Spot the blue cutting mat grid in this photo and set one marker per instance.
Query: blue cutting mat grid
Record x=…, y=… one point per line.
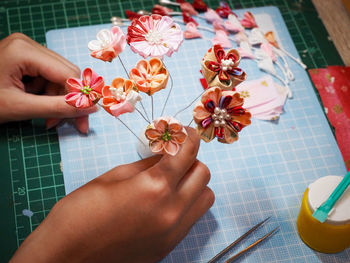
x=263, y=174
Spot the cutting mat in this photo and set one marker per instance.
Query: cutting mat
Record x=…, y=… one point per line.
x=265, y=173
x=23, y=173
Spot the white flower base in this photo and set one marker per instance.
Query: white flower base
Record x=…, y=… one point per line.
x=143, y=148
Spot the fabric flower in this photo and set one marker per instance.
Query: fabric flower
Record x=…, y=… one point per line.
x=221, y=39
x=199, y=5
x=121, y=97
x=109, y=44
x=248, y=20
x=232, y=24
x=245, y=50
x=187, y=18
x=220, y=114
x=212, y=16
x=192, y=31
x=161, y=10
x=166, y=134
x=224, y=10
x=86, y=92
x=188, y=8
x=220, y=69
x=154, y=36
x=256, y=37
x=150, y=76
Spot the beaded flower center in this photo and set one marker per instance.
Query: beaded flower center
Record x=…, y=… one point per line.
x=220, y=116
x=227, y=64
x=154, y=38
x=166, y=136
x=86, y=90
x=118, y=94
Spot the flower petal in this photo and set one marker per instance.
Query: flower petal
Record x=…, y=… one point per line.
x=157, y=146
x=152, y=134
x=121, y=108
x=171, y=148
x=213, y=94
x=74, y=84
x=200, y=113
x=179, y=137
x=160, y=124
x=89, y=77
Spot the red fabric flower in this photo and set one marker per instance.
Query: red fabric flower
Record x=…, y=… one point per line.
x=199, y=5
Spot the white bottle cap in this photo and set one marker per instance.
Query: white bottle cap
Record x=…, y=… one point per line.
x=319, y=192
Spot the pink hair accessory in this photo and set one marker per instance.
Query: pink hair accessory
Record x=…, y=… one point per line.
x=192, y=31
x=86, y=92
x=108, y=45
x=219, y=26
x=248, y=20
x=222, y=39
x=245, y=50
x=212, y=16
x=188, y=8
x=232, y=24
x=154, y=36
x=161, y=10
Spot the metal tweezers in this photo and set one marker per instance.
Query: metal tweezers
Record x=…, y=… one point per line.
x=236, y=256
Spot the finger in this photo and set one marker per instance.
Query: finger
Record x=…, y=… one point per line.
x=202, y=204
x=175, y=167
x=17, y=36
x=128, y=170
x=192, y=184
x=82, y=124
x=36, y=62
x=52, y=122
x=28, y=106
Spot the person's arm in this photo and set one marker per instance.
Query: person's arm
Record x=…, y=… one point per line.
x=134, y=213
x=32, y=83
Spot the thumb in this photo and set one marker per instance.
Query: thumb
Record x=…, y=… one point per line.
x=30, y=106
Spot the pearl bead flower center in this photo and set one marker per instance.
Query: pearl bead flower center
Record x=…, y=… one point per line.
x=154, y=38
x=227, y=64
x=220, y=116
x=118, y=94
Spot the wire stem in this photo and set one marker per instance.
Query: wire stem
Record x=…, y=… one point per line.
x=126, y=72
x=131, y=131
x=189, y=104
x=142, y=115
x=171, y=88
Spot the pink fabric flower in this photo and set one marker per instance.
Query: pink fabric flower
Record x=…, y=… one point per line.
x=166, y=134
x=221, y=39
x=150, y=76
x=220, y=114
x=109, y=44
x=232, y=24
x=191, y=31
x=121, y=97
x=248, y=20
x=212, y=16
x=86, y=92
x=188, y=8
x=161, y=10
x=154, y=36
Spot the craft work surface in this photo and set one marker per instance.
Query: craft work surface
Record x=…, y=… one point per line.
x=264, y=173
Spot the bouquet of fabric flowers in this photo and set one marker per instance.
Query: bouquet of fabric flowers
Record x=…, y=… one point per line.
x=218, y=113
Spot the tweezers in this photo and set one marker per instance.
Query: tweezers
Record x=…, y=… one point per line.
x=242, y=252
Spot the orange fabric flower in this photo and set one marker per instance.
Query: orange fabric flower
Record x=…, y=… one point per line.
x=120, y=97
x=220, y=114
x=166, y=134
x=150, y=76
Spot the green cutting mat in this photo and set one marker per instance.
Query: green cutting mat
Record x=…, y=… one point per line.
x=30, y=158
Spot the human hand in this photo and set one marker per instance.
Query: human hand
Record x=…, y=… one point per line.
x=28, y=69
x=134, y=213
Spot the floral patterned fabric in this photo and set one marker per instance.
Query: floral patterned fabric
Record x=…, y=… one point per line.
x=333, y=85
